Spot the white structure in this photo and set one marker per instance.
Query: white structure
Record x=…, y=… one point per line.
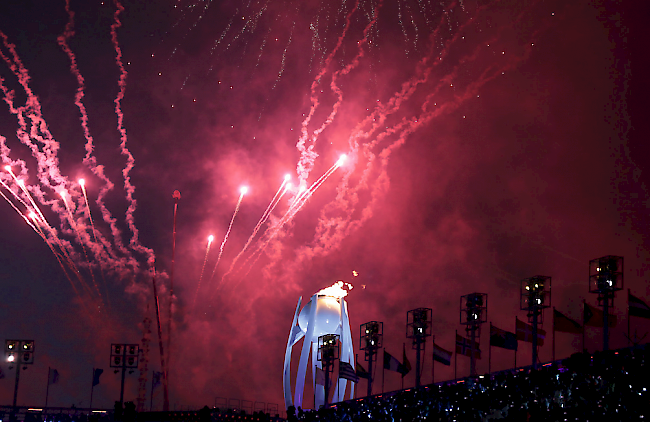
x=325, y=313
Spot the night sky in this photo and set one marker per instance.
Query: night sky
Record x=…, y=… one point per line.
x=486, y=142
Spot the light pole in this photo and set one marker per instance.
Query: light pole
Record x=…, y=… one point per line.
x=124, y=356
x=473, y=313
x=418, y=328
x=371, y=334
x=328, y=352
x=18, y=352
x=535, y=296
x=605, y=278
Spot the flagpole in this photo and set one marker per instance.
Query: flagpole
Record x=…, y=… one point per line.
x=433, y=361
x=629, y=339
x=456, y=358
x=92, y=389
x=404, y=348
x=383, y=372
x=517, y=346
x=584, y=305
x=553, y=333
x=47, y=390
x=490, y=351
x=356, y=359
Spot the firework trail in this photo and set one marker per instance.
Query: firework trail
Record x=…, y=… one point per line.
x=16, y=208
x=205, y=260
x=45, y=150
x=75, y=227
x=128, y=187
x=294, y=208
x=225, y=238
x=336, y=222
x=8, y=168
x=91, y=162
x=307, y=153
x=274, y=202
x=33, y=132
x=88, y=215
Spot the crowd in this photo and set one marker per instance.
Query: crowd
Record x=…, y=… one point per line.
x=607, y=386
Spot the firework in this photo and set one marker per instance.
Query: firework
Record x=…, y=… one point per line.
x=205, y=260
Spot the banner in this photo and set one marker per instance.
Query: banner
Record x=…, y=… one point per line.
x=347, y=372
x=594, y=317
x=320, y=376
x=392, y=364
x=441, y=355
x=407, y=364
x=565, y=324
x=525, y=333
x=502, y=338
x=155, y=380
x=463, y=347
x=53, y=376
x=97, y=372
x=636, y=307
x=361, y=371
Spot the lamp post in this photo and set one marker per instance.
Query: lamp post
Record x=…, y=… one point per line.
x=605, y=278
x=535, y=296
x=328, y=353
x=371, y=334
x=124, y=356
x=418, y=328
x=473, y=313
x=18, y=352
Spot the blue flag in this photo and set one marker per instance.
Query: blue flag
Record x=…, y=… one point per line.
x=155, y=381
x=97, y=372
x=502, y=338
x=53, y=376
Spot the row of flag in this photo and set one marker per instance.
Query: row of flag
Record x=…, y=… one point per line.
x=501, y=338
x=53, y=376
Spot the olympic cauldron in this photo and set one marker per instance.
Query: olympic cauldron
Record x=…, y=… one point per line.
x=325, y=313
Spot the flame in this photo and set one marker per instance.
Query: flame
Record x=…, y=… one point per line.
x=337, y=290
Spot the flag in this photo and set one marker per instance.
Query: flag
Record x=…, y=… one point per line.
x=97, y=372
x=320, y=376
x=155, y=380
x=53, y=376
x=392, y=364
x=407, y=364
x=502, y=338
x=347, y=372
x=565, y=324
x=594, y=317
x=441, y=355
x=464, y=347
x=361, y=371
x=637, y=307
x=525, y=333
